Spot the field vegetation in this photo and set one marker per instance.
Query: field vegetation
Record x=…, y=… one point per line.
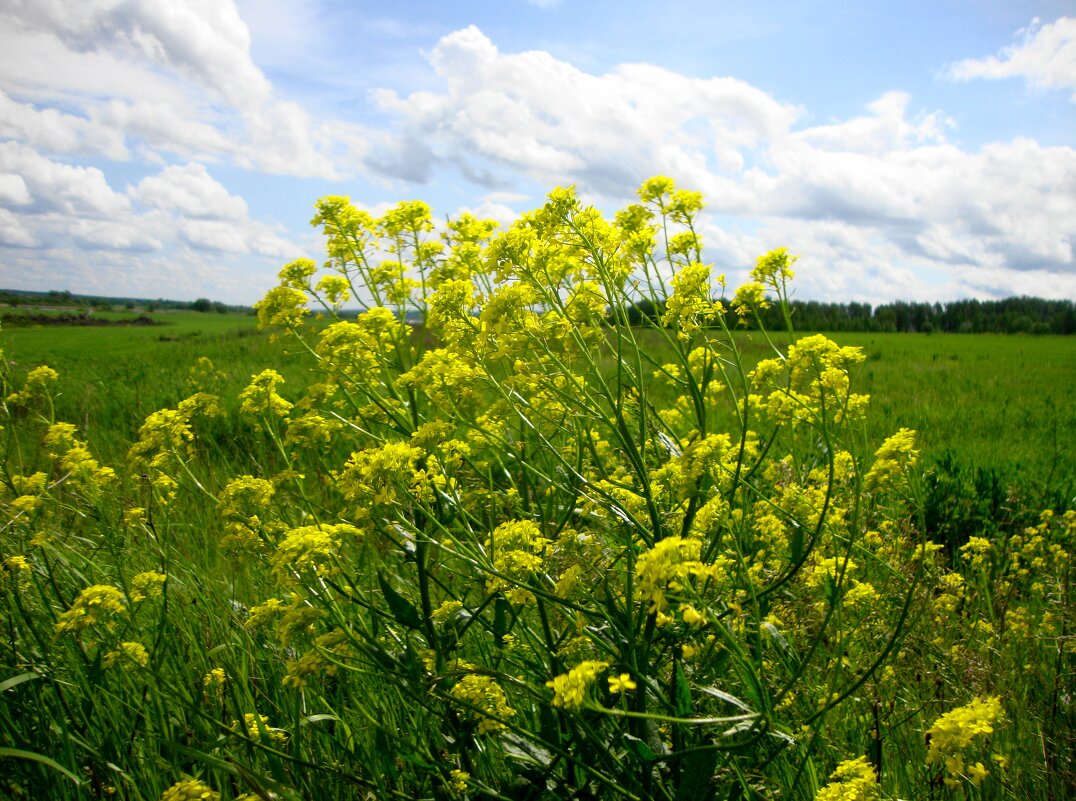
x=529, y=550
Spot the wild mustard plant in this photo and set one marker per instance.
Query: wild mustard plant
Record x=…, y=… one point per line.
x=517, y=549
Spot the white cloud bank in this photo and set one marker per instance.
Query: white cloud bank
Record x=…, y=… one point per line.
x=880, y=206
x=170, y=77
x=1045, y=58
x=901, y=200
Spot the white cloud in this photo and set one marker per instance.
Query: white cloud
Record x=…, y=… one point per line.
x=53, y=130
x=175, y=77
x=205, y=40
x=141, y=243
x=13, y=232
x=80, y=191
x=552, y=122
x=874, y=202
x=1045, y=58
x=13, y=190
x=190, y=191
x=165, y=127
x=283, y=141
x=36, y=63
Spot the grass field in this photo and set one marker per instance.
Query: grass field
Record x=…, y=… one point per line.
x=995, y=402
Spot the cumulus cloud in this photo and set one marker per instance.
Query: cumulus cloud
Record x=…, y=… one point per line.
x=1045, y=58
x=552, y=122
x=52, y=186
x=874, y=203
x=53, y=130
x=877, y=200
x=191, y=191
x=205, y=40
x=174, y=77
x=140, y=241
x=13, y=232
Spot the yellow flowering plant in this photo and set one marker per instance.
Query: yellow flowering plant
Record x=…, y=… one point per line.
x=528, y=514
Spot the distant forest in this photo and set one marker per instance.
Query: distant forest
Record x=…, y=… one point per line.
x=67, y=300
x=1010, y=316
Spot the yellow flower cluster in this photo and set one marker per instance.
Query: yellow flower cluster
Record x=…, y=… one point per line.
x=214, y=679
x=570, y=689
x=146, y=585
x=261, y=397
x=516, y=548
x=283, y=307
x=165, y=438
x=376, y=475
x=36, y=386
x=690, y=306
x=485, y=700
x=667, y=567
x=257, y=727
x=458, y=780
x=190, y=790
x=314, y=547
x=955, y=732
x=853, y=780
x=895, y=455
x=132, y=652
x=449, y=380
x=94, y=605
x=322, y=659
x=816, y=384
x=75, y=458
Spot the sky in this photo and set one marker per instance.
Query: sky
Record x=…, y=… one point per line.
x=913, y=150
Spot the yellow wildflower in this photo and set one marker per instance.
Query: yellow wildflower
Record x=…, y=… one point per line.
x=147, y=585
x=621, y=683
x=570, y=689
x=955, y=732
x=853, y=780
x=486, y=701
x=127, y=652
x=96, y=604
x=190, y=790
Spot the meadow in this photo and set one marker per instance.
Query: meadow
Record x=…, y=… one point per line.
x=530, y=551
x=990, y=404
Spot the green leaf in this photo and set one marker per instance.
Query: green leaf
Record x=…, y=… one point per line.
x=15, y=681
x=796, y=543
x=696, y=776
x=15, y=753
x=639, y=749
x=721, y=695
x=788, y=655
x=682, y=691
x=402, y=609
x=500, y=620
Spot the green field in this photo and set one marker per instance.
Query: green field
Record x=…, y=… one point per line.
x=1000, y=403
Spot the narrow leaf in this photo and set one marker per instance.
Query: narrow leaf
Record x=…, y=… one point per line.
x=16, y=753
x=682, y=691
x=15, y=681
x=402, y=609
x=696, y=776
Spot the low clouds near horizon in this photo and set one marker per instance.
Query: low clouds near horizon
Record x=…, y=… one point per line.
x=122, y=126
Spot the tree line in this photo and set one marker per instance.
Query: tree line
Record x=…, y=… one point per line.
x=1018, y=315
x=66, y=299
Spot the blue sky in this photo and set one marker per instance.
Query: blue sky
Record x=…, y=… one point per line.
x=175, y=148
